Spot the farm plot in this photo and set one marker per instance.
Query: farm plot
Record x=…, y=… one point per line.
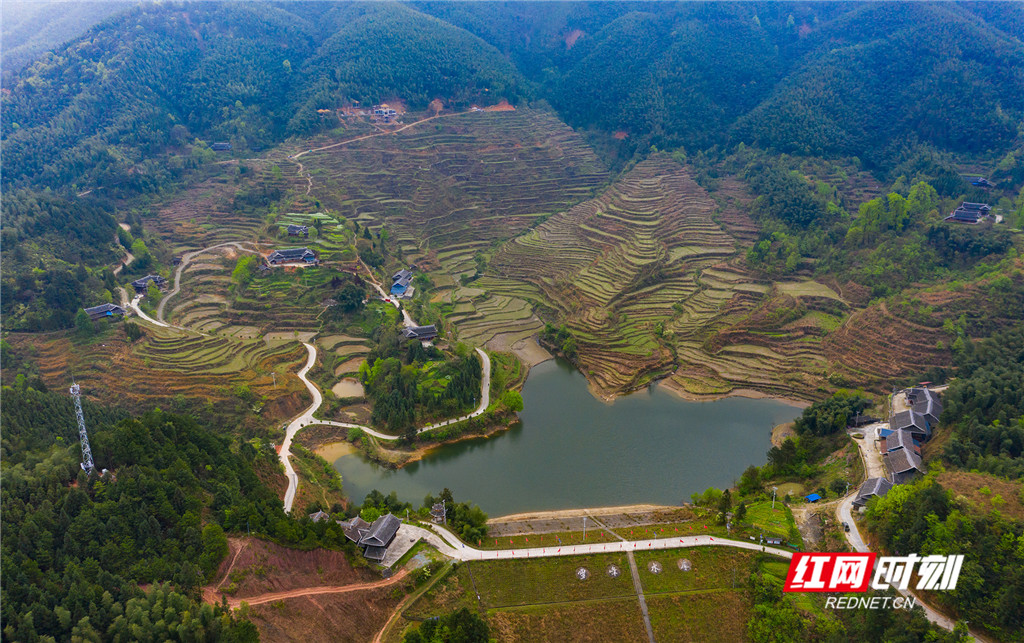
x=451, y=191
x=167, y=363
x=646, y=278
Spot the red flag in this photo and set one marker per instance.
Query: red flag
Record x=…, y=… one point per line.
x=705, y=526
x=710, y=537
x=559, y=551
x=527, y=539
x=495, y=542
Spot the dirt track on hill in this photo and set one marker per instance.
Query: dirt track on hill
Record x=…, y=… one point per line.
x=312, y=591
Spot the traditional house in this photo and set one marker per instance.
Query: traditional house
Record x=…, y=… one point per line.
x=421, y=333
x=298, y=231
x=438, y=512
x=970, y=212
x=376, y=539
x=292, y=255
x=354, y=529
x=903, y=465
x=911, y=421
x=104, y=310
x=871, y=487
x=927, y=403
x=320, y=516
x=902, y=440
x=982, y=182
x=141, y=285
x=176, y=261
x=221, y=147
x=400, y=283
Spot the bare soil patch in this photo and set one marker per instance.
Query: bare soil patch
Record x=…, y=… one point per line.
x=255, y=567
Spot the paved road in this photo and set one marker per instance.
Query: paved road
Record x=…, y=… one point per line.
x=138, y=311
x=871, y=458
x=450, y=546
x=303, y=420
x=307, y=418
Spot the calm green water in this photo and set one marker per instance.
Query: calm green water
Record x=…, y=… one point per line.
x=572, y=450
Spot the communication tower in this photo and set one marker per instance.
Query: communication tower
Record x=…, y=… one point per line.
x=87, y=463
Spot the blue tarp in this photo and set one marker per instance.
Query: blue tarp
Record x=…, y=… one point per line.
x=813, y=497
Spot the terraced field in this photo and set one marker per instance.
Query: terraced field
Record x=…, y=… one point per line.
x=166, y=363
x=450, y=191
x=643, y=276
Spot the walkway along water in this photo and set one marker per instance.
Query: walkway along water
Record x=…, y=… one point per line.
x=307, y=418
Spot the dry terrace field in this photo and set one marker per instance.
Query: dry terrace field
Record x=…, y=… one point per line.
x=644, y=277
x=450, y=191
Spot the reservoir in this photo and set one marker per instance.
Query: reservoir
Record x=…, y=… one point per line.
x=571, y=450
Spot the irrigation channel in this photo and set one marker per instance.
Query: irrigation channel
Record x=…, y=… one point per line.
x=571, y=450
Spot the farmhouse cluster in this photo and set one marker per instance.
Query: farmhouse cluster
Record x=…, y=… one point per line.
x=915, y=414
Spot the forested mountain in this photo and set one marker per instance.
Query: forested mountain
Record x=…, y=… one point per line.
x=128, y=107
x=842, y=78
x=77, y=548
x=32, y=28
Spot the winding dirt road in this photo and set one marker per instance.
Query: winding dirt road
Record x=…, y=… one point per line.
x=271, y=597
x=187, y=258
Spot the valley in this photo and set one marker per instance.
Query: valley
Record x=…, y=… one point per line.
x=348, y=294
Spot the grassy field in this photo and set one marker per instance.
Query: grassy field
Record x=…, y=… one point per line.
x=706, y=616
x=543, y=599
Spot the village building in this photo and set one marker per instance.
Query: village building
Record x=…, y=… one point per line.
x=141, y=285
x=104, y=310
x=221, y=147
x=176, y=261
x=384, y=112
x=970, y=212
x=421, y=333
x=901, y=440
x=903, y=465
x=926, y=402
x=871, y=487
x=292, y=255
x=319, y=516
x=298, y=231
x=982, y=182
x=911, y=421
x=354, y=529
x=376, y=539
x=400, y=283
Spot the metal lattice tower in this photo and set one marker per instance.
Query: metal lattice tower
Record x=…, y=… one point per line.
x=87, y=463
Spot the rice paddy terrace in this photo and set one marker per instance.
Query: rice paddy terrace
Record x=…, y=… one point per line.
x=451, y=190
x=165, y=363
x=645, y=279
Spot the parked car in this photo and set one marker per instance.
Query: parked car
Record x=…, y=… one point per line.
x=846, y=526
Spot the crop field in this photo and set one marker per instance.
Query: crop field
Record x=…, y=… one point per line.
x=165, y=363
x=449, y=192
x=644, y=277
